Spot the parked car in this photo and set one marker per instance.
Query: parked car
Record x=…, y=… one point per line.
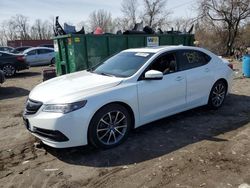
x=130, y=89
x=2, y=77
x=6, y=49
x=10, y=63
x=20, y=49
x=39, y=56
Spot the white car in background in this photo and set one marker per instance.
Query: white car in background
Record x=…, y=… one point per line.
x=130, y=89
x=39, y=56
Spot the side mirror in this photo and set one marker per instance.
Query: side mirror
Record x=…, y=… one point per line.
x=153, y=75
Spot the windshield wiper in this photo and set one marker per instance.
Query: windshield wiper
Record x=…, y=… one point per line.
x=106, y=74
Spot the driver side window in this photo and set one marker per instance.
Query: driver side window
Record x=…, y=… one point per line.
x=165, y=63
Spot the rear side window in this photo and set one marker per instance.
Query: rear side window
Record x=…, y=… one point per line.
x=32, y=52
x=192, y=58
x=44, y=51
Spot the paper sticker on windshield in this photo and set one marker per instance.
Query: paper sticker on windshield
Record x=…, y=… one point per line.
x=142, y=54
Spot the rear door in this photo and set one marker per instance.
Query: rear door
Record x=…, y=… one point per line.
x=45, y=55
x=199, y=75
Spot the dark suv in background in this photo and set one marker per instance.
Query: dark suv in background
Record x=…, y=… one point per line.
x=10, y=63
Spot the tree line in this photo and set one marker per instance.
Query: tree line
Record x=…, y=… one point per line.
x=220, y=25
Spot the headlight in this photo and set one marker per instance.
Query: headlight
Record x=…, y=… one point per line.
x=64, y=108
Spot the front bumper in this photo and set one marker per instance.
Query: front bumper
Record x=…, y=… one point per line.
x=53, y=135
x=59, y=130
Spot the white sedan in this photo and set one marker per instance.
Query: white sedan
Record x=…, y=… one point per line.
x=130, y=89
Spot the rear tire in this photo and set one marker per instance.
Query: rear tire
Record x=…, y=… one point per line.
x=9, y=70
x=53, y=61
x=217, y=95
x=109, y=127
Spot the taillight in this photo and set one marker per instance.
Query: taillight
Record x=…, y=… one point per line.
x=231, y=66
x=20, y=58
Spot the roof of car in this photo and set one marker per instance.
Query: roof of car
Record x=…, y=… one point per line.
x=6, y=52
x=159, y=48
x=20, y=47
x=36, y=48
x=41, y=47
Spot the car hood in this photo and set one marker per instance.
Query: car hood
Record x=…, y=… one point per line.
x=72, y=87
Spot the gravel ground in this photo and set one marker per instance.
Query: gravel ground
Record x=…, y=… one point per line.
x=197, y=148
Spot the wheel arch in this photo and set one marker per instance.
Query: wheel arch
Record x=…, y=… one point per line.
x=128, y=107
x=223, y=80
x=218, y=80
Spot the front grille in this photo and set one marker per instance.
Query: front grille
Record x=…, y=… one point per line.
x=53, y=135
x=32, y=107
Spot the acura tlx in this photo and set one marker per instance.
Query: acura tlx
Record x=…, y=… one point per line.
x=101, y=105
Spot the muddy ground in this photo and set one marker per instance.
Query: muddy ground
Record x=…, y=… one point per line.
x=197, y=148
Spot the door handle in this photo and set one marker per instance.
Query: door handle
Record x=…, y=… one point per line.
x=207, y=70
x=179, y=78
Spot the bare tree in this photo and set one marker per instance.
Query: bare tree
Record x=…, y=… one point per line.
x=155, y=13
x=242, y=41
x=101, y=18
x=47, y=30
x=21, y=26
x=182, y=24
x=36, y=30
x=41, y=30
x=227, y=13
x=211, y=36
x=3, y=40
x=122, y=23
x=8, y=31
x=129, y=10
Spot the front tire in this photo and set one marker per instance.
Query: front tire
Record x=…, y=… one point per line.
x=217, y=94
x=9, y=70
x=110, y=126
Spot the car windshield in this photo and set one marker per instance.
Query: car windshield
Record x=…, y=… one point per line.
x=123, y=64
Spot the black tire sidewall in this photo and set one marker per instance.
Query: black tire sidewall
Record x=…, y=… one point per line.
x=11, y=66
x=210, y=103
x=53, y=61
x=92, y=136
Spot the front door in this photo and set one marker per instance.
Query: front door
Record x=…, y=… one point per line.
x=160, y=98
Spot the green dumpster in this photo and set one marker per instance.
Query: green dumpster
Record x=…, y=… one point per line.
x=76, y=52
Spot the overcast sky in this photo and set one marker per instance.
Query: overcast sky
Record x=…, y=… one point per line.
x=75, y=11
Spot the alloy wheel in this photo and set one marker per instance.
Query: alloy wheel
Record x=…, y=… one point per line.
x=218, y=94
x=112, y=127
x=9, y=70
